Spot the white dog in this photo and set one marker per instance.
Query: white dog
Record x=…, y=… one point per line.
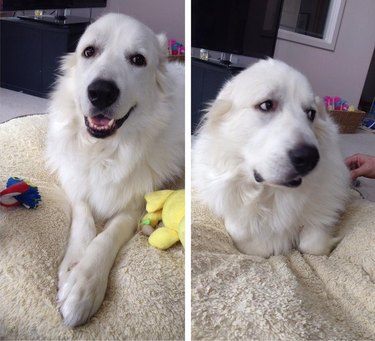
x=267, y=160
x=116, y=131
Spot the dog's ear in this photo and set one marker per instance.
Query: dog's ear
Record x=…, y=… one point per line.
x=218, y=108
x=163, y=43
x=67, y=63
x=325, y=124
x=161, y=69
x=321, y=108
x=216, y=112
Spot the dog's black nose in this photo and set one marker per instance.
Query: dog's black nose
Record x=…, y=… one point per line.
x=102, y=93
x=304, y=158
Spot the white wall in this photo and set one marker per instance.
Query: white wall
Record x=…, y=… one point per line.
x=166, y=16
x=341, y=72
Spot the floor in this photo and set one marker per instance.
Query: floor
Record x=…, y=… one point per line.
x=14, y=104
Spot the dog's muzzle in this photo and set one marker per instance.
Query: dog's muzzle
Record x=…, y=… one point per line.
x=303, y=159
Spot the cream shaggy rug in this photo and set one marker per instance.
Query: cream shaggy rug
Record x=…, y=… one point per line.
x=293, y=297
x=145, y=296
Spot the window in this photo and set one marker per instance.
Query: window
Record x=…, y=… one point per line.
x=312, y=22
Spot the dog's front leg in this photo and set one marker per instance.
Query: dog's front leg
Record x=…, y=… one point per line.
x=316, y=240
x=82, y=232
x=83, y=292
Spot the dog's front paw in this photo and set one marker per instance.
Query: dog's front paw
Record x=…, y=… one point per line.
x=81, y=295
x=316, y=241
x=72, y=257
x=66, y=266
x=254, y=248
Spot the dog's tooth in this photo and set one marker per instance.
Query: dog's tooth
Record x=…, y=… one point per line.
x=108, y=126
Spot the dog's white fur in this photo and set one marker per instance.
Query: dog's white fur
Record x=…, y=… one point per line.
x=106, y=179
x=236, y=138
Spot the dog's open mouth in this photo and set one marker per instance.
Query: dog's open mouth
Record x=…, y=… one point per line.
x=100, y=126
x=293, y=182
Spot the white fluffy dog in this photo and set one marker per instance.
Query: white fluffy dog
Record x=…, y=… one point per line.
x=267, y=160
x=116, y=132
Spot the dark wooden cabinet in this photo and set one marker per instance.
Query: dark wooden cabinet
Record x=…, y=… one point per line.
x=31, y=52
x=207, y=79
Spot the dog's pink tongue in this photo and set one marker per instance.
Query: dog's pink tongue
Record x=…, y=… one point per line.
x=100, y=120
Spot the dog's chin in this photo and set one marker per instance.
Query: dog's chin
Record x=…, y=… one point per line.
x=291, y=182
x=100, y=126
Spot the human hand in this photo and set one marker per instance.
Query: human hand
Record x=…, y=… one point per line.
x=361, y=165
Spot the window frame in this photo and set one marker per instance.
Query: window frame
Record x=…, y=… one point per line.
x=328, y=42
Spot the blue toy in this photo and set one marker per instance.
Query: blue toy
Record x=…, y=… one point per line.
x=20, y=192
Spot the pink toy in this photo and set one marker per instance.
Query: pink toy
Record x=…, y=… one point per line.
x=336, y=103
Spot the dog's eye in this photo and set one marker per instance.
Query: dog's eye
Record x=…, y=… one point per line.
x=88, y=51
x=311, y=114
x=267, y=105
x=137, y=60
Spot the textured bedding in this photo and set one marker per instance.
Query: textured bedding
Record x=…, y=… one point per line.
x=145, y=295
x=293, y=297
x=234, y=296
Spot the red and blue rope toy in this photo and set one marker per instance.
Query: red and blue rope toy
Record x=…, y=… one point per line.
x=19, y=192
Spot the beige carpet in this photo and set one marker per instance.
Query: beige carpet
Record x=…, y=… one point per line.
x=145, y=296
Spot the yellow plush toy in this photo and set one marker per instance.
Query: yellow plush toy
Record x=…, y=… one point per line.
x=169, y=207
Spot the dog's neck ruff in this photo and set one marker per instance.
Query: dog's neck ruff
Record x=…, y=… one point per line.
x=101, y=127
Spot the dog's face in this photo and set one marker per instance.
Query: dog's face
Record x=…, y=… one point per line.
x=116, y=65
x=270, y=120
